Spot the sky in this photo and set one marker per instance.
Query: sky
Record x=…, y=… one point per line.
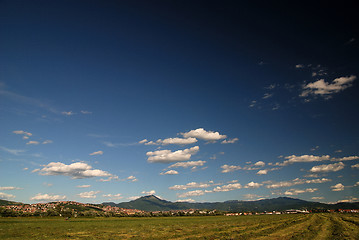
x=196, y=101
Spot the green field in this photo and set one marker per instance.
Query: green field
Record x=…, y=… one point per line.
x=296, y=226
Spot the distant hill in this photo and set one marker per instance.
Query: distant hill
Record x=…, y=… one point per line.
x=153, y=203
x=6, y=202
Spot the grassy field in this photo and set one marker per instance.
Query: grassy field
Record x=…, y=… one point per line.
x=311, y=226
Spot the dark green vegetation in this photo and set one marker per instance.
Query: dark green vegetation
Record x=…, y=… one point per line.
x=152, y=203
x=290, y=226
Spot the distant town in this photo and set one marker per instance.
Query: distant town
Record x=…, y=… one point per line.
x=76, y=209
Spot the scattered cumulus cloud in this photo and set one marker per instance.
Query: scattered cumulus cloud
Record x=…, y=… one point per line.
x=83, y=186
x=21, y=132
x=47, y=142
x=168, y=141
x=32, y=143
x=191, y=185
x=325, y=89
x=191, y=194
x=169, y=172
x=202, y=134
x=267, y=95
x=233, y=140
x=167, y=156
x=113, y=196
x=75, y=170
x=230, y=168
x=47, y=197
x=132, y=179
x=69, y=113
x=189, y=200
x=355, y=166
x=253, y=185
x=260, y=164
x=227, y=188
x=187, y=164
x=296, y=181
x=6, y=196
x=9, y=188
x=337, y=187
x=292, y=192
x=262, y=172
x=152, y=192
x=90, y=194
x=317, y=198
x=328, y=168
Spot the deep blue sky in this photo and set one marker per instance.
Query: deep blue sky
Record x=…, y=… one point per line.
x=275, y=81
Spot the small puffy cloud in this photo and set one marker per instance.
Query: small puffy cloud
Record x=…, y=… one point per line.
x=260, y=164
x=233, y=140
x=83, y=186
x=299, y=66
x=356, y=184
x=6, y=196
x=96, y=153
x=202, y=134
x=21, y=132
x=47, y=142
x=143, y=141
x=70, y=113
x=152, y=192
x=230, y=168
x=47, y=197
x=167, y=156
x=325, y=89
x=338, y=187
x=317, y=198
x=90, y=194
x=296, y=181
x=191, y=185
x=75, y=170
x=9, y=188
x=191, y=194
x=328, y=168
x=170, y=172
x=113, y=196
x=292, y=192
x=267, y=95
x=355, y=166
x=189, y=200
x=32, y=143
x=253, y=185
x=262, y=172
x=188, y=164
x=227, y=188
x=304, y=158
x=132, y=179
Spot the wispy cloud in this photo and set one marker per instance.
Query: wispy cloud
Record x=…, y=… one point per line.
x=96, y=153
x=15, y=152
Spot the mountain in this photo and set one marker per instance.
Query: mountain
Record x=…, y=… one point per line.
x=153, y=203
x=6, y=202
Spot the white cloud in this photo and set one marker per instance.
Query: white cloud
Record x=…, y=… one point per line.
x=299, y=66
x=356, y=184
x=323, y=88
x=90, y=194
x=292, y=192
x=10, y=188
x=6, y=196
x=143, y=141
x=317, y=198
x=132, y=179
x=233, y=140
x=355, y=166
x=267, y=95
x=296, y=181
x=96, y=153
x=152, y=192
x=304, y=158
x=253, y=103
x=338, y=187
x=70, y=113
x=191, y=194
x=21, y=132
x=226, y=188
x=230, y=168
x=32, y=143
x=189, y=200
x=191, y=185
x=47, y=142
x=170, y=172
x=167, y=156
x=262, y=172
x=177, y=141
x=83, y=186
x=328, y=168
x=253, y=185
x=202, y=134
x=47, y=197
x=113, y=196
x=260, y=164
x=133, y=197
x=75, y=170
x=188, y=164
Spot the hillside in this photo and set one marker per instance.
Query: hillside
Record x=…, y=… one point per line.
x=153, y=203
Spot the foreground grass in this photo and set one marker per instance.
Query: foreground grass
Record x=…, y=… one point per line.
x=311, y=226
